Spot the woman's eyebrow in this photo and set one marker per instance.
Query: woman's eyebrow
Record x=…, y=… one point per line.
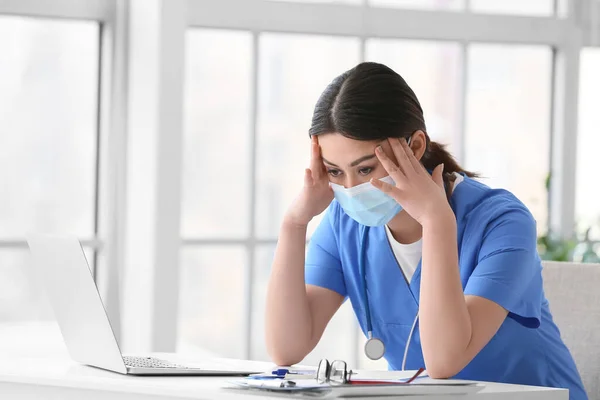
x=328, y=162
x=353, y=163
x=358, y=161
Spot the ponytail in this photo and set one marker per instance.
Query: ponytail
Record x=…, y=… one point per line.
x=437, y=154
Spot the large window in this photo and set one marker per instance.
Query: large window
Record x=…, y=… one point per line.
x=588, y=143
x=249, y=102
x=48, y=144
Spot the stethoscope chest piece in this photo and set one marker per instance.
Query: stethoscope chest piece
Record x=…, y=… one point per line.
x=374, y=349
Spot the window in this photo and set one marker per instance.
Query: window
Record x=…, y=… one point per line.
x=48, y=144
x=588, y=143
x=48, y=120
x=216, y=189
x=508, y=120
x=212, y=300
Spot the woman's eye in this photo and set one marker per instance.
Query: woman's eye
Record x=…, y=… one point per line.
x=334, y=172
x=365, y=171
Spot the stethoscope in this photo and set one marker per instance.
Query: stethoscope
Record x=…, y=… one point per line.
x=374, y=347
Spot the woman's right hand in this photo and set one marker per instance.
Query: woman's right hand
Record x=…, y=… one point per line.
x=316, y=194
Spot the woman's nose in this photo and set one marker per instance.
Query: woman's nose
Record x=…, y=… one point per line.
x=351, y=182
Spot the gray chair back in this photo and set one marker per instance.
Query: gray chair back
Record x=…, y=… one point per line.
x=573, y=291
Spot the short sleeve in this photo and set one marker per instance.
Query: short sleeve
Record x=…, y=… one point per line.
x=323, y=266
x=508, y=271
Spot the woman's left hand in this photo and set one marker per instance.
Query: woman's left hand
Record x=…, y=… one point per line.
x=420, y=194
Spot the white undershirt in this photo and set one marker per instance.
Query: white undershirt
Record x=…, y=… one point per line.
x=409, y=255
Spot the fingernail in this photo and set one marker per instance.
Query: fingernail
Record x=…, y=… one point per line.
x=378, y=149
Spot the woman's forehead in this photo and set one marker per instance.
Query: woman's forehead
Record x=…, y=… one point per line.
x=337, y=146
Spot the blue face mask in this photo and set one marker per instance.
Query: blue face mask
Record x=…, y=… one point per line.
x=366, y=204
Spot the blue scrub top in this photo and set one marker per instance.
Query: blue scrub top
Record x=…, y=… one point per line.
x=498, y=260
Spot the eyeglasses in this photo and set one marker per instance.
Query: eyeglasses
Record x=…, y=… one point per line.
x=334, y=373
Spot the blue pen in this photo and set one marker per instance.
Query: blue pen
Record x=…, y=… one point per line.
x=286, y=373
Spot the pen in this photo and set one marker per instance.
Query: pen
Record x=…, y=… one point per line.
x=286, y=371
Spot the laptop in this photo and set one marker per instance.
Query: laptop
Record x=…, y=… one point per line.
x=60, y=265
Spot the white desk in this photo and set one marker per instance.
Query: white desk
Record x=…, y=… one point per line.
x=61, y=379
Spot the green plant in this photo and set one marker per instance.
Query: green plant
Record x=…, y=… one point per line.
x=554, y=248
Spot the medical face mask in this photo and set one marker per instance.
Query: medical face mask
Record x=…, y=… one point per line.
x=366, y=204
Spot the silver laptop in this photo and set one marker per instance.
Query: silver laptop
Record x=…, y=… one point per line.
x=60, y=265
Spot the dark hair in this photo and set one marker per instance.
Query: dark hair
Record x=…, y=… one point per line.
x=372, y=102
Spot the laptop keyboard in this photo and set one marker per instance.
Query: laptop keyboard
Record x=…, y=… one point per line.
x=150, y=362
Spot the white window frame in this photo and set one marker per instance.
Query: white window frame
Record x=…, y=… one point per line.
x=104, y=13
x=101, y=11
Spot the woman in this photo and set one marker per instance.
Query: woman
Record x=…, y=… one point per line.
x=442, y=271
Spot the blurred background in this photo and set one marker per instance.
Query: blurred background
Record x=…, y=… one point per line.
x=170, y=137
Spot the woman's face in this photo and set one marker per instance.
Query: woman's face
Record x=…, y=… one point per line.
x=351, y=162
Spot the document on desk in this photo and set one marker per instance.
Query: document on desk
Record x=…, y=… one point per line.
x=310, y=388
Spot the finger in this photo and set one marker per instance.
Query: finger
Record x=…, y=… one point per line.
x=401, y=155
x=386, y=188
x=316, y=165
x=391, y=168
x=418, y=167
x=438, y=175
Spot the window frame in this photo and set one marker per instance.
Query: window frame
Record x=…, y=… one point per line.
x=561, y=34
x=104, y=13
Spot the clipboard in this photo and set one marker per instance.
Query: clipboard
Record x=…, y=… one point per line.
x=326, y=391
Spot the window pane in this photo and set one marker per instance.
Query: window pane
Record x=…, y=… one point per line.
x=48, y=125
x=421, y=4
x=27, y=324
x=211, y=301
x=337, y=341
x=20, y=297
x=520, y=7
x=588, y=143
x=293, y=72
x=508, y=120
x=217, y=134
x=433, y=72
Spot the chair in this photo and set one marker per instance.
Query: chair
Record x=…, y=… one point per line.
x=573, y=291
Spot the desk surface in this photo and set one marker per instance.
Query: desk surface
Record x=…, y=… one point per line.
x=63, y=379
